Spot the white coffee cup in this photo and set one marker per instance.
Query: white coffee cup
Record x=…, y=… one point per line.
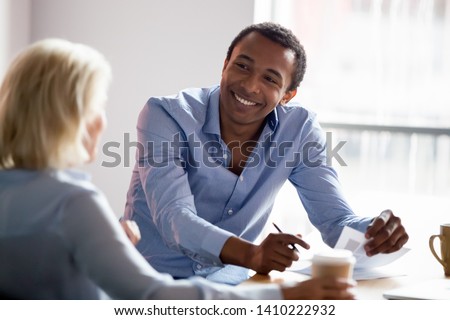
x=335, y=263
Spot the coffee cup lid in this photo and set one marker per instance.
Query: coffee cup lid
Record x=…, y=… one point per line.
x=336, y=256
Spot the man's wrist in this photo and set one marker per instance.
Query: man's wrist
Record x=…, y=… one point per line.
x=237, y=251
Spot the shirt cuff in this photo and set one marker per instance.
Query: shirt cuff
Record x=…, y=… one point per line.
x=213, y=242
x=362, y=224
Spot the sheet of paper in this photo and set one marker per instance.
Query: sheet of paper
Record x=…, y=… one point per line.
x=361, y=274
x=436, y=289
x=366, y=268
x=354, y=241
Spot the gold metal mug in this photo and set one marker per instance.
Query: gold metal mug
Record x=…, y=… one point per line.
x=444, y=236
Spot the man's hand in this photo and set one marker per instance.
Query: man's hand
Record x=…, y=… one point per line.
x=132, y=230
x=274, y=253
x=387, y=234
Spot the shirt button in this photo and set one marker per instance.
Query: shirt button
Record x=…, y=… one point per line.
x=225, y=156
x=241, y=178
x=230, y=212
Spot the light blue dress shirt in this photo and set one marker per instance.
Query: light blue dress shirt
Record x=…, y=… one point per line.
x=186, y=201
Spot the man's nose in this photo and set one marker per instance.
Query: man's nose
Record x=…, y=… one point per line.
x=251, y=84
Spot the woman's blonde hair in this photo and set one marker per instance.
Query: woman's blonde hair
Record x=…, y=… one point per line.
x=50, y=92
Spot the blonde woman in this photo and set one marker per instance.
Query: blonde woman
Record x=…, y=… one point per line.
x=59, y=238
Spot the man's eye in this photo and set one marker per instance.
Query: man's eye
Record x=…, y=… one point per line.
x=242, y=66
x=270, y=79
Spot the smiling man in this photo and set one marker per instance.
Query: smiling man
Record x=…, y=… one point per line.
x=211, y=161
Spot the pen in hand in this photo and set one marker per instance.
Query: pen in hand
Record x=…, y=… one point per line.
x=293, y=247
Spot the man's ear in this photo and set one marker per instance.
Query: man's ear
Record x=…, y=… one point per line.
x=225, y=63
x=288, y=96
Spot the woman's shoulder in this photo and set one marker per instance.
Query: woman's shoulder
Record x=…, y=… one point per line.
x=53, y=184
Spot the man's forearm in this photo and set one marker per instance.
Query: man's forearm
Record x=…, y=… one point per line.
x=238, y=252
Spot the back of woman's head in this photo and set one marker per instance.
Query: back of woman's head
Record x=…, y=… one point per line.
x=51, y=90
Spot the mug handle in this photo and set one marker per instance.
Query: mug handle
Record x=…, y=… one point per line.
x=431, y=242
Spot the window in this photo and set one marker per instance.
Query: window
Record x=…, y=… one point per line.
x=378, y=76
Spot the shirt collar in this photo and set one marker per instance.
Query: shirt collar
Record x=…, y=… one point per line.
x=272, y=119
x=212, y=120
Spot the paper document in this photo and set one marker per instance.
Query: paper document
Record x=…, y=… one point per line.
x=355, y=240
x=436, y=289
x=360, y=274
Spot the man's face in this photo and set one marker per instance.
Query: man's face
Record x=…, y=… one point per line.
x=254, y=81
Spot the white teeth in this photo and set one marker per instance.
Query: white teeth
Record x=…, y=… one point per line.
x=243, y=101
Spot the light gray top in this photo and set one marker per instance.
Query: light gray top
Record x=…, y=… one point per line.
x=59, y=239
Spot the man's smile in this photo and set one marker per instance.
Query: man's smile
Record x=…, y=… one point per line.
x=244, y=101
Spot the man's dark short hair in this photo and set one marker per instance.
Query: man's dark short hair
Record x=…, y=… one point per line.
x=283, y=37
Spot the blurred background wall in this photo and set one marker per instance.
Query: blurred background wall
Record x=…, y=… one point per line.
x=155, y=48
